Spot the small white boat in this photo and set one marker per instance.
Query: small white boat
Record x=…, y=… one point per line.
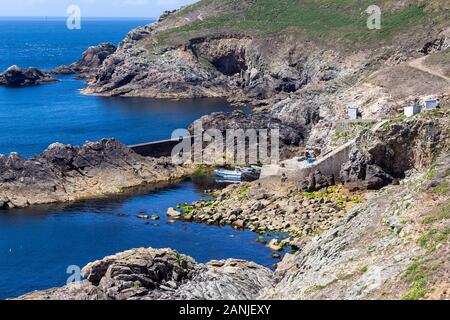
x=228, y=174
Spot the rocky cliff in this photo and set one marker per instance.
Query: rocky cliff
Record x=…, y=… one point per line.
x=66, y=173
x=388, y=244
x=301, y=63
x=232, y=44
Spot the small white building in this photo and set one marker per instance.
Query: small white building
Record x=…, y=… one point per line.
x=430, y=104
x=353, y=113
x=412, y=110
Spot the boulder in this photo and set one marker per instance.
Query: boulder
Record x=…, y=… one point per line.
x=316, y=181
x=171, y=212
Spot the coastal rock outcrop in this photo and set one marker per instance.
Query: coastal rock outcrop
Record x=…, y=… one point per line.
x=151, y=274
x=387, y=155
x=255, y=121
x=395, y=245
x=66, y=173
x=18, y=77
x=90, y=62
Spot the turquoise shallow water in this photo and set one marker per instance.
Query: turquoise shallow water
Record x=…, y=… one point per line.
x=37, y=245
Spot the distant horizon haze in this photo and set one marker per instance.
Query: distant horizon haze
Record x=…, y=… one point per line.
x=126, y=9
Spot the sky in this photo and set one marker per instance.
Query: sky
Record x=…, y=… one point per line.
x=89, y=8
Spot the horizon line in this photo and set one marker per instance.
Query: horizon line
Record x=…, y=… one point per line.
x=83, y=17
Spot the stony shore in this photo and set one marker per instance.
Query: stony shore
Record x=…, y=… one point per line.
x=389, y=242
x=271, y=208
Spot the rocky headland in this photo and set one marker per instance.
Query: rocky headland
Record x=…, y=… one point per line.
x=15, y=76
x=66, y=173
x=377, y=230
x=150, y=274
x=387, y=244
x=90, y=62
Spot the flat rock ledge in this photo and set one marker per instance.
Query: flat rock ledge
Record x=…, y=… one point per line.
x=66, y=173
x=162, y=274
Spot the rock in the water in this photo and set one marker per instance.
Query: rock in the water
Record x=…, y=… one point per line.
x=275, y=245
x=171, y=212
x=66, y=173
x=143, y=274
x=17, y=77
x=239, y=120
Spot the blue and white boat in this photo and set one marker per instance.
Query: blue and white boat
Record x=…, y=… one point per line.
x=228, y=174
x=238, y=174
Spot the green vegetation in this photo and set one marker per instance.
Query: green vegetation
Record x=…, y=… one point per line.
x=433, y=238
x=443, y=187
x=333, y=194
x=432, y=173
x=341, y=20
x=441, y=213
x=417, y=276
x=243, y=194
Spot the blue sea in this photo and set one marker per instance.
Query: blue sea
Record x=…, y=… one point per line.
x=34, y=117
x=38, y=244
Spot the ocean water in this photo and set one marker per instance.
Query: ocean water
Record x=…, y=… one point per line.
x=32, y=118
x=38, y=244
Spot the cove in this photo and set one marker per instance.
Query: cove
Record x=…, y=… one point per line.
x=38, y=244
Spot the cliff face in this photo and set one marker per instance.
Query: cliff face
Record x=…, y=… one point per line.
x=394, y=246
x=287, y=58
x=255, y=50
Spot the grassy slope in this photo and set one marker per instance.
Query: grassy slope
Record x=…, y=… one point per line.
x=343, y=21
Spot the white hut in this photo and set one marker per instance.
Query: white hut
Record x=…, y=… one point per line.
x=353, y=113
x=411, y=111
x=430, y=104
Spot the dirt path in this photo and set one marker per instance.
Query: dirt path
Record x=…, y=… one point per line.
x=419, y=65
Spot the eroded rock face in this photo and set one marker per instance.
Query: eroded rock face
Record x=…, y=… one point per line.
x=381, y=158
x=90, y=62
x=368, y=253
x=255, y=121
x=17, y=77
x=151, y=274
x=66, y=173
x=238, y=66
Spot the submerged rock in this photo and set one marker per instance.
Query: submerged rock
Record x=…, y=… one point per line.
x=18, y=77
